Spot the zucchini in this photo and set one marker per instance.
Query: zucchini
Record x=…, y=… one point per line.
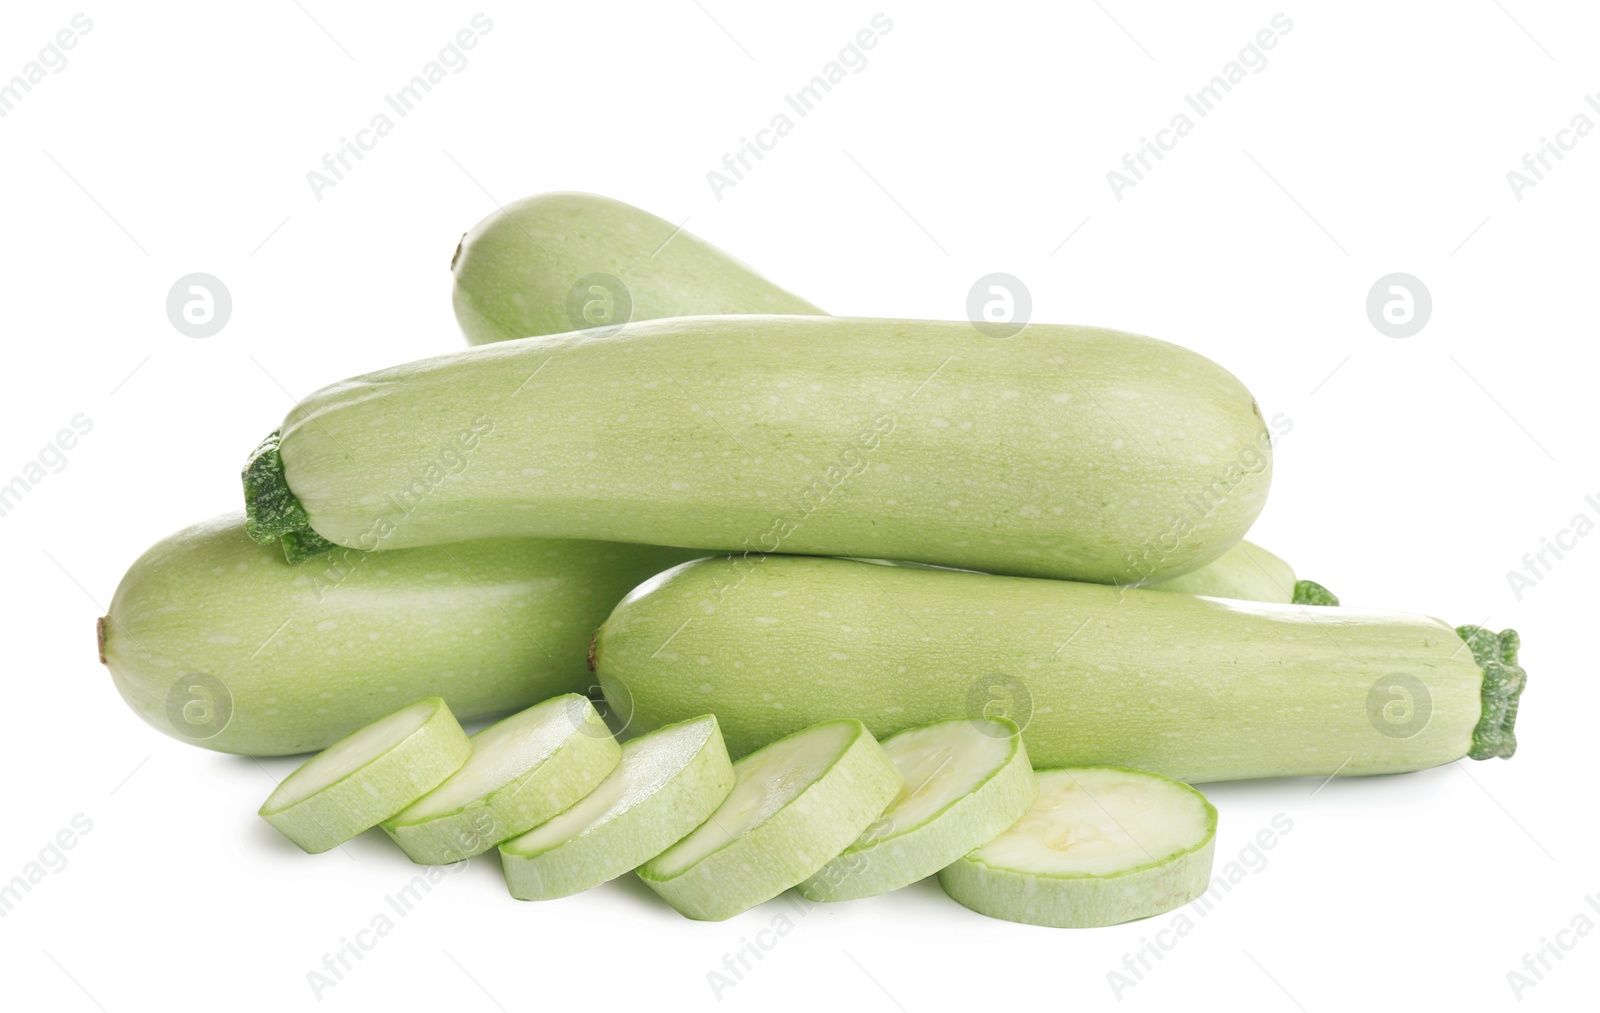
x=1100, y=846
x=794, y=805
x=508, y=268
x=965, y=781
x=1199, y=689
x=522, y=771
x=368, y=776
x=666, y=785
x=561, y=262
x=1249, y=573
x=216, y=641
x=1061, y=452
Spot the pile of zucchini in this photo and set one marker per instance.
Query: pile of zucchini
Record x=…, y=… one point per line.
x=865, y=600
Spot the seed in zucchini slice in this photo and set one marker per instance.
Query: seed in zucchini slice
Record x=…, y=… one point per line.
x=368, y=776
x=795, y=804
x=1099, y=846
x=965, y=781
x=523, y=770
x=666, y=785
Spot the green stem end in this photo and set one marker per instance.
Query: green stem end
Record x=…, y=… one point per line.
x=271, y=510
x=1503, y=680
x=1309, y=592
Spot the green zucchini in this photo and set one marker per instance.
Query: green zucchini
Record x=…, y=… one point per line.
x=509, y=268
x=667, y=783
x=1100, y=846
x=966, y=780
x=523, y=770
x=367, y=776
x=1199, y=689
x=795, y=804
x=215, y=640
x=1067, y=452
x=561, y=262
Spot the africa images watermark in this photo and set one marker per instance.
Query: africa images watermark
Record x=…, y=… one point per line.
x=852, y=59
x=1251, y=860
x=451, y=59
x=52, y=858
x=51, y=460
x=1152, y=557
x=397, y=906
x=1537, y=164
x=52, y=59
x=1537, y=565
x=1539, y=963
x=452, y=459
x=1252, y=59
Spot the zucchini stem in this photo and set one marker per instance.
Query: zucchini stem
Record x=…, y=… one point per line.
x=271, y=510
x=1309, y=592
x=1503, y=681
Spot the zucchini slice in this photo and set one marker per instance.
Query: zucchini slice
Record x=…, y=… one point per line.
x=965, y=781
x=666, y=785
x=1099, y=846
x=795, y=805
x=522, y=771
x=368, y=776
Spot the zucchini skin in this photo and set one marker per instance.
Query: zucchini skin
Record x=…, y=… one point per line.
x=508, y=284
x=1070, y=452
x=1246, y=571
x=291, y=659
x=515, y=271
x=1198, y=689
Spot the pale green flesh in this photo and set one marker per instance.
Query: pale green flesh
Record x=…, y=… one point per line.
x=1100, y=822
x=647, y=764
x=666, y=785
x=941, y=763
x=514, y=272
x=795, y=805
x=1099, y=846
x=1201, y=689
x=921, y=440
x=368, y=776
x=350, y=754
x=307, y=654
x=765, y=783
x=523, y=770
x=965, y=781
x=501, y=754
x=1246, y=571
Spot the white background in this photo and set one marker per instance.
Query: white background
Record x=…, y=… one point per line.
x=1418, y=472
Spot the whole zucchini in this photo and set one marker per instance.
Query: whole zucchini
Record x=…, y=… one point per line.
x=215, y=640
x=560, y=262
x=1069, y=452
x=1199, y=689
x=509, y=268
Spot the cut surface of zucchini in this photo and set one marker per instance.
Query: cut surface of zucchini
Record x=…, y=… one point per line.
x=368, y=776
x=795, y=804
x=522, y=771
x=1099, y=846
x=667, y=783
x=966, y=780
